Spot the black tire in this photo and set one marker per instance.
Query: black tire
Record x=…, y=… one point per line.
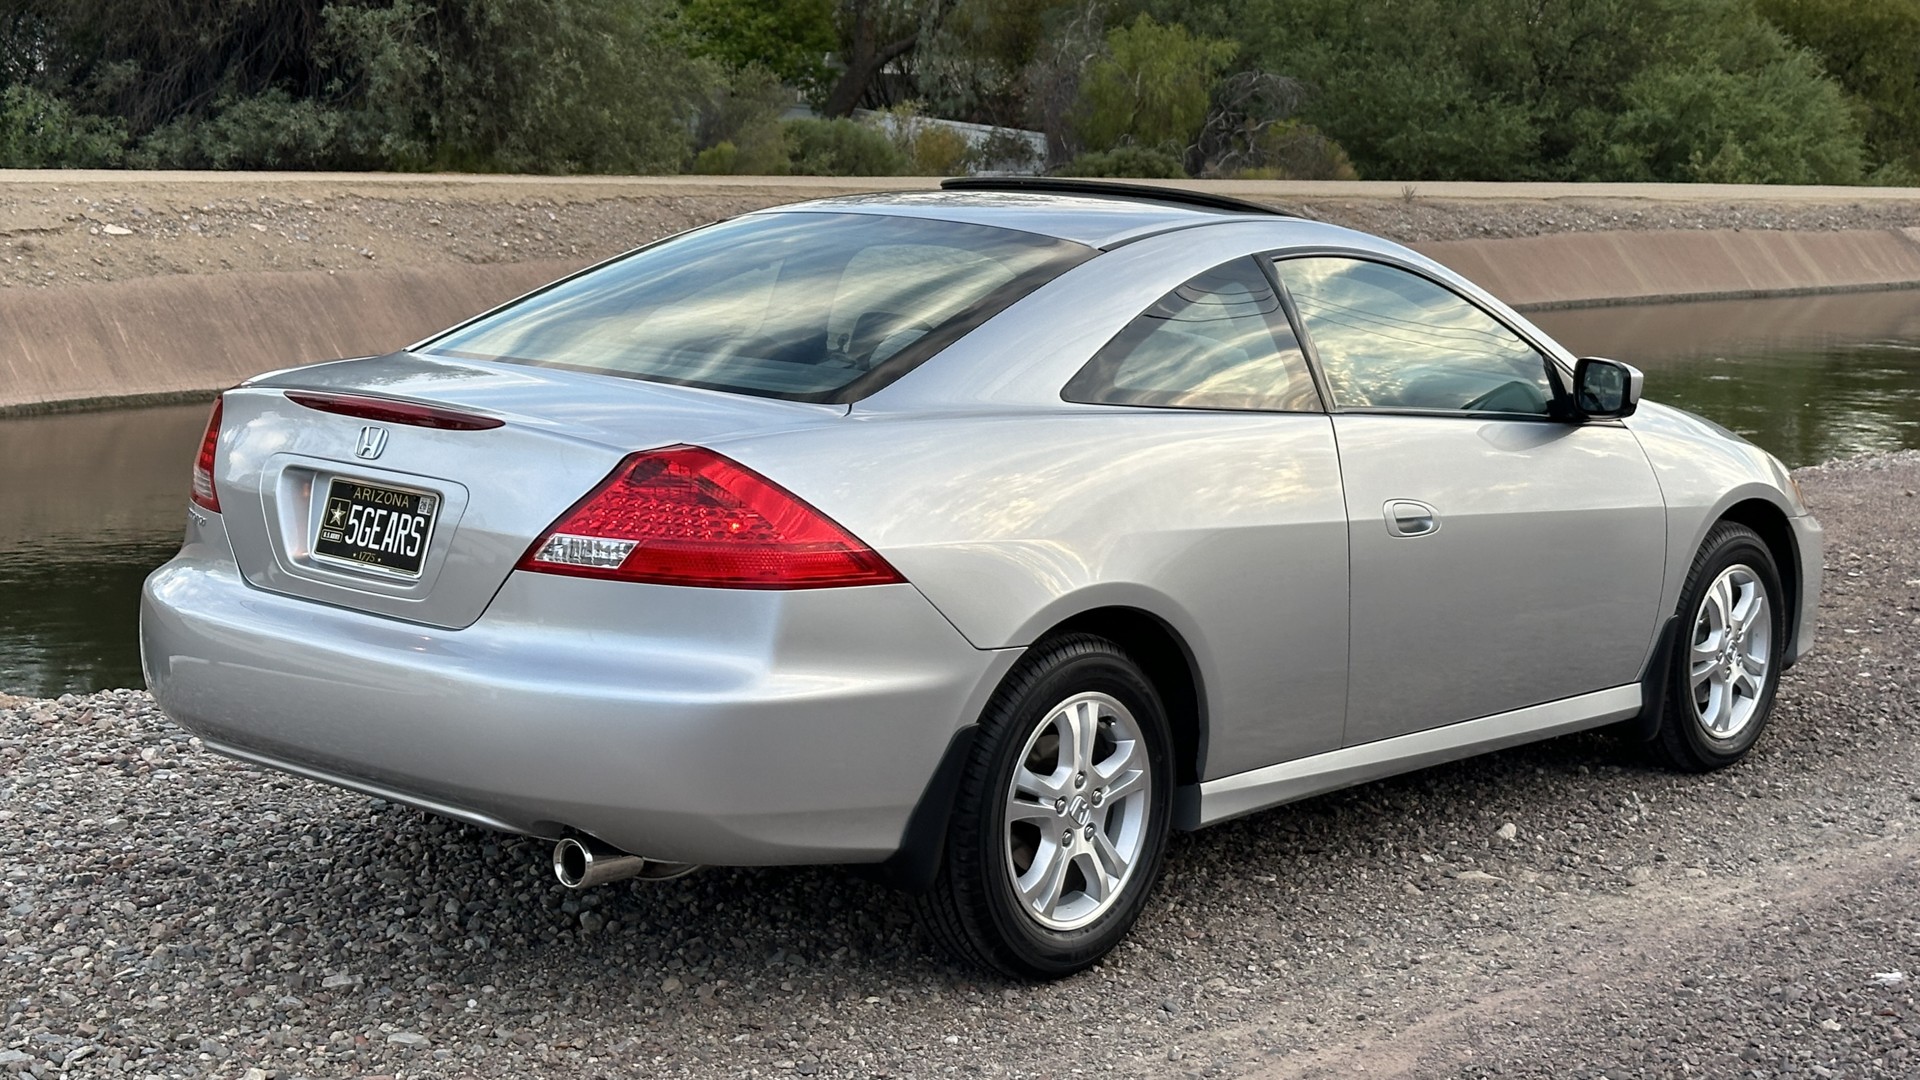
x=973, y=910
x=1684, y=740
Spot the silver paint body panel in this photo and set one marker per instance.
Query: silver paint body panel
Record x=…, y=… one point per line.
x=1541, y=582
x=701, y=725
x=723, y=726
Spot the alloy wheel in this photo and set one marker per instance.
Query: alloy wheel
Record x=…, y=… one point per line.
x=1732, y=650
x=1077, y=811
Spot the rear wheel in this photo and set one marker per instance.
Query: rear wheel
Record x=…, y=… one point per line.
x=1726, y=663
x=1061, y=823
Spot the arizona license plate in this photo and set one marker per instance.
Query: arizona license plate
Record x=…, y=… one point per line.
x=379, y=527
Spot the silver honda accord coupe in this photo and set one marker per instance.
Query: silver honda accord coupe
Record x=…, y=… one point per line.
x=976, y=537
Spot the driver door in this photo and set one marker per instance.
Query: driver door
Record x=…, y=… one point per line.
x=1500, y=558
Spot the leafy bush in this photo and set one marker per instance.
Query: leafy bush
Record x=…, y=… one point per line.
x=930, y=147
x=1004, y=151
x=1778, y=125
x=763, y=152
x=739, y=126
x=720, y=159
x=267, y=131
x=1128, y=161
x=938, y=150
x=38, y=131
x=1293, y=150
x=841, y=147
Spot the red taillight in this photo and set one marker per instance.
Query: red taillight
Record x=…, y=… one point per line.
x=390, y=411
x=687, y=516
x=203, y=493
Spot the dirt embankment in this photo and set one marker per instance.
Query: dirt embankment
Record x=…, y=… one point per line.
x=152, y=285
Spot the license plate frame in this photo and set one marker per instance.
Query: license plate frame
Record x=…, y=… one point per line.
x=390, y=534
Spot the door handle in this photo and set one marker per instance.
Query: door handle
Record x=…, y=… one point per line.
x=1410, y=517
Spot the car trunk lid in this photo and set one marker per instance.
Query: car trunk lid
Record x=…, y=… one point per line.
x=376, y=496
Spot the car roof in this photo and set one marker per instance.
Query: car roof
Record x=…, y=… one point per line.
x=1098, y=215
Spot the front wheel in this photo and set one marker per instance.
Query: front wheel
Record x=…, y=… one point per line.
x=1726, y=663
x=1061, y=822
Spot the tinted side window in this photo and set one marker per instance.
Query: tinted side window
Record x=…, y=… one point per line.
x=1220, y=341
x=1389, y=339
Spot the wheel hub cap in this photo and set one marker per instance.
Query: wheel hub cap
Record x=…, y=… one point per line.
x=1731, y=652
x=1075, y=821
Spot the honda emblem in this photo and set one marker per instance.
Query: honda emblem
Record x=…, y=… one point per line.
x=373, y=439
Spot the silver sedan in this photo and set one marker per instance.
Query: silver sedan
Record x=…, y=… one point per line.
x=977, y=537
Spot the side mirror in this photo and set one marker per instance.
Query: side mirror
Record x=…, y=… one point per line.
x=1605, y=389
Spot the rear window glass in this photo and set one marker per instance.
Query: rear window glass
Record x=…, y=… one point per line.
x=803, y=306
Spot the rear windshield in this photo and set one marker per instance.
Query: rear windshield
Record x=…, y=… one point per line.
x=803, y=306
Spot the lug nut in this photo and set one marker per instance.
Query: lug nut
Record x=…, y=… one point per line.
x=1066, y=838
x=1099, y=796
x=1079, y=779
x=1060, y=805
x=1089, y=832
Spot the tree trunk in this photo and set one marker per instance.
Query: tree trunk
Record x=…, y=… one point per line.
x=865, y=60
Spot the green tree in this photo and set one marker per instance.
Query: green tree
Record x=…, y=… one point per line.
x=520, y=85
x=1780, y=124
x=1528, y=89
x=1150, y=87
x=790, y=38
x=874, y=35
x=979, y=65
x=525, y=85
x=1873, y=48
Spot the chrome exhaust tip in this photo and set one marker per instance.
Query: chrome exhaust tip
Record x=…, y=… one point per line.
x=583, y=862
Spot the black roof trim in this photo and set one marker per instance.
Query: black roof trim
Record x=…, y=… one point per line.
x=1068, y=185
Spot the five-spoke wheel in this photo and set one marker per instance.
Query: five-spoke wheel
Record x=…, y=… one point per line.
x=1076, y=811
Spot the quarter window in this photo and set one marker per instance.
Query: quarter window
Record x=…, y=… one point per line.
x=1220, y=341
x=1390, y=339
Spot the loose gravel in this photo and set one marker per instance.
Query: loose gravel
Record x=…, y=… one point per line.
x=1559, y=910
x=114, y=227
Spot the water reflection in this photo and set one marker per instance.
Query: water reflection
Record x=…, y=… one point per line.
x=1809, y=378
x=90, y=503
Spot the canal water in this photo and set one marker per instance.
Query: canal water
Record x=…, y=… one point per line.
x=89, y=503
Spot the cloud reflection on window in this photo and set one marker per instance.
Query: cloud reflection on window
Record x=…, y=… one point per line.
x=1388, y=338
x=796, y=305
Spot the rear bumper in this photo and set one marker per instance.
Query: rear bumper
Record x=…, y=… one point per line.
x=707, y=726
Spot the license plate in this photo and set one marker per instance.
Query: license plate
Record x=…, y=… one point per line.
x=377, y=527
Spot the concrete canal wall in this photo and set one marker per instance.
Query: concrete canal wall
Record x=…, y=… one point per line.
x=1594, y=268
x=169, y=329
x=188, y=336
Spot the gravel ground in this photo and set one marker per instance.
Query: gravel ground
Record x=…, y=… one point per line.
x=128, y=225
x=1559, y=910
x=93, y=236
